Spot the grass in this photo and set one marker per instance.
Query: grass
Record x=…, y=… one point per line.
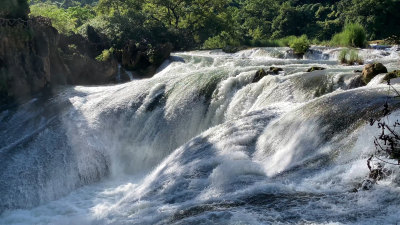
x=353, y=35
x=350, y=57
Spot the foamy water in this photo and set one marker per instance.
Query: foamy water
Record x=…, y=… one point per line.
x=200, y=143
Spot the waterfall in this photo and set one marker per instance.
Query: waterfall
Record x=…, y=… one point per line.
x=201, y=143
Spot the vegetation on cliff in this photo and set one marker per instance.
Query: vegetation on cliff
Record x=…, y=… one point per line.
x=218, y=23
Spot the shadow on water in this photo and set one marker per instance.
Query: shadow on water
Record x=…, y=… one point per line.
x=38, y=162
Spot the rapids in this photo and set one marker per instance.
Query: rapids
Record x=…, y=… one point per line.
x=200, y=143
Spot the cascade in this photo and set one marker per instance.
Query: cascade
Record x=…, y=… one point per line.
x=200, y=142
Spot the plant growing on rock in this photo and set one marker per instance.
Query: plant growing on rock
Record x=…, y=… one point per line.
x=350, y=57
x=392, y=75
x=300, y=45
x=105, y=55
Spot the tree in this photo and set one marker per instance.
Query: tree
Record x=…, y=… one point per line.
x=374, y=15
x=256, y=20
x=13, y=9
x=288, y=22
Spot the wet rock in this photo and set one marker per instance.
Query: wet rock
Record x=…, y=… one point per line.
x=33, y=64
x=314, y=68
x=259, y=75
x=392, y=75
x=385, y=53
x=144, y=58
x=233, y=49
x=262, y=73
x=371, y=70
x=377, y=172
x=356, y=82
x=274, y=70
x=357, y=71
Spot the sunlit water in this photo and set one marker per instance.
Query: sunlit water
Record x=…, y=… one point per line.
x=201, y=143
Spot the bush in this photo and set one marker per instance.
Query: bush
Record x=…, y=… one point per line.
x=392, y=75
x=221, y=41
x=350, y=57
x=59, y=17
x=105, y=55
x=300, y=45
x=285, y=42
x=343, y=55
x=353, y=35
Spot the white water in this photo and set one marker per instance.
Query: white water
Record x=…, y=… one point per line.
x=199, y=143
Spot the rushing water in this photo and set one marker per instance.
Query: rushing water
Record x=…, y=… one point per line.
x=201, y=143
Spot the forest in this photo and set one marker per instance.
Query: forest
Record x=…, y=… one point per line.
x=207, y=24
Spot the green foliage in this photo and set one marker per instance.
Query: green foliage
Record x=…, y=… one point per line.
x=379, y=17
x=81, y=14
x=14, y=9
x=343, y=55
x=105, y=55
x=60, y=18
x=220, y=41
x=350, y=57
x=189, y=24
x=67, y=20
x=353, y=35
x=300, y=45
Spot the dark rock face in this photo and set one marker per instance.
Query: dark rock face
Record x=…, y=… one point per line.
x=144, y=58
x=274, y=70
x=314, y=68
x=356, y=82
x=34, y=59
x=261, y=73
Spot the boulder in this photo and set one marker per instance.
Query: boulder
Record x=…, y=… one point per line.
x=371, y=70
x=262, y=73
x=233, y=49
x=356, y=82
x=274, y=70
x=144, y=58
x=259, y=75
x=392, y=75
x=314, y=68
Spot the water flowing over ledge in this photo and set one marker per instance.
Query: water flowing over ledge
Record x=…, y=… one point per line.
x=202, y=143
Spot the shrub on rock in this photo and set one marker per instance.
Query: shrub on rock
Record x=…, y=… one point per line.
x=392, y=75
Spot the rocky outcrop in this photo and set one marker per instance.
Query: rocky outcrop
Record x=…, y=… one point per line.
x=36, y=58
x=371, y=70
x=259, y=75
x=144, y=58
x=274, y=70
x=262, y=73
x=314, y=68
x=356, y=82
